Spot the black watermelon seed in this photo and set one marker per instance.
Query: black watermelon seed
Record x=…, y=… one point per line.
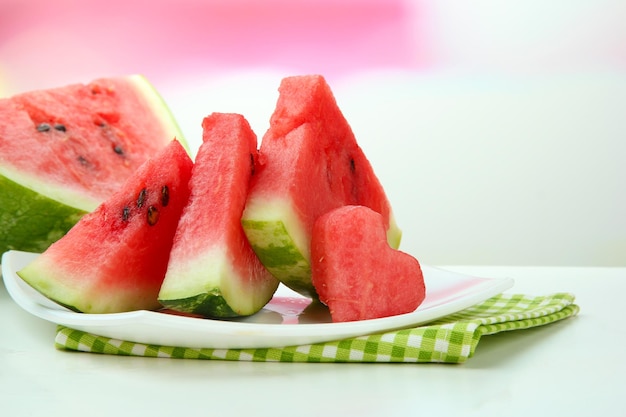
x=60, y=127
x=118, y=149
x=165, y=195
x=153, y=215
x=142, y=197
x=83, y=161
x=125, y=213
x=352, y=165
x=43, y=127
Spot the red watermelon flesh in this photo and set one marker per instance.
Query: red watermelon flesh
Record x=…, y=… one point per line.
x=114, y=259
x=310, y=164
x=312, y=156
x=65, y=150
x=355, y=271
x=213, y=271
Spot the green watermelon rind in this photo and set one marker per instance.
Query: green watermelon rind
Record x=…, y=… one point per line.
x=207, y=304
x=279, y=239
x=272, y=243
x=211, y=300
x=55, y=192
x=21, y=209
x=205, y=286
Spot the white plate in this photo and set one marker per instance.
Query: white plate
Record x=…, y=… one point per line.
x=289, y=319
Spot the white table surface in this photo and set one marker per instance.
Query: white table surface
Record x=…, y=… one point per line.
x=571, y=368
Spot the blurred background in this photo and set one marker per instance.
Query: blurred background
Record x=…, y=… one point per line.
x=497, y=128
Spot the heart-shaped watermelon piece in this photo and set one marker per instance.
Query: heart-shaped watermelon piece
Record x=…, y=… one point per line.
x=356, y=273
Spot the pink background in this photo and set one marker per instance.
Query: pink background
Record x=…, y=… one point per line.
x=53, y=42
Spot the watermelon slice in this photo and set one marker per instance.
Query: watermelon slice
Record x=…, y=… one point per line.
x=355, y=271
x=65, y=150
x=114, y=259
x=310, y=164
x=213, y=271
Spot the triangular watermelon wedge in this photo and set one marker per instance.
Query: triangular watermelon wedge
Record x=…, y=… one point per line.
x=114, y=259
x=310, y=164
x=213, y=271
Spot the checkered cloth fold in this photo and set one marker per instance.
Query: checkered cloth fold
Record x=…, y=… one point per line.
x=452, y=339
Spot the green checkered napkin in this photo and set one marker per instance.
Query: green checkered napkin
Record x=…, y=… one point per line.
x=452, y=339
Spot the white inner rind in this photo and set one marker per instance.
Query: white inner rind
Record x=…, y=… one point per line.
x=58, y=192
x=274, y=211
x=85, y=295
x=212, y=273
x=190, y=277
x=394, y=233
